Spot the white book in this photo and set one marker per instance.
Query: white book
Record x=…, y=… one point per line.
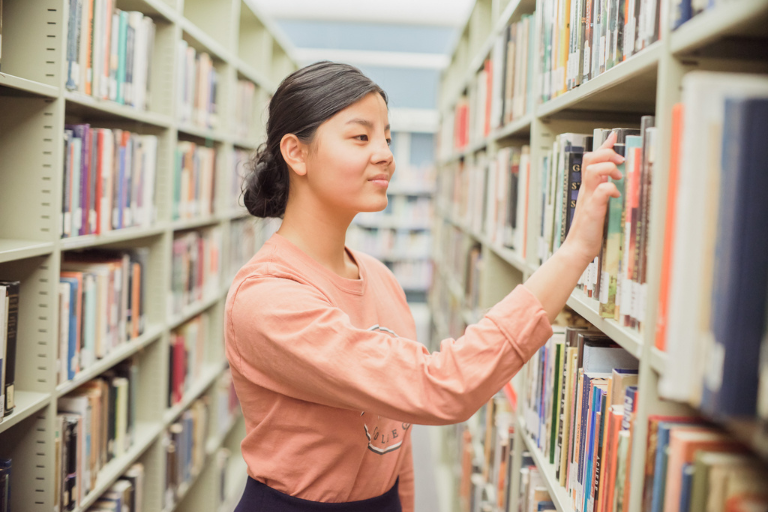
x=98, y=46
x=149, y=143
x=688, y=335
x=63, y=345
x=107, y=180
x=3, y=342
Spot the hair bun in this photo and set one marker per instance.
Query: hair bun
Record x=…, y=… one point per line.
x=265, y=190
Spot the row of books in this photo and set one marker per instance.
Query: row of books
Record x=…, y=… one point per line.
x=618, y=275
x=194, y=173
x=443, y=300
x=95, y=424
x=227, y=404
x=109, y=52
x=184, y=443
x=487, y=444
x=125, y=495
x=390, y=244
x=9, y=329
x=195, y=267
x=197, y=95
x=245, y=109
x=534, y=495
x=713, y=295
x=187, y=356
x=102, y=305
x=581, y=39
x=242, y=244
x=691, y=466
x=400, y=210
x=472, y=283
x=579, y=409
x=109, y=180
x=502, y=91
x=412, y=275
x=6, y=469
x=451, y=250
x=490, y=195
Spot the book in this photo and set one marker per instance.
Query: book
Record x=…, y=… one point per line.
x=195, y=267
x=689, y=293
x=193, y=181
x=9, y=331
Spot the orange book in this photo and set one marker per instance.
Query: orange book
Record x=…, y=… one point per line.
x=611, y=446
x=669, y=232
x=87, y=26
x=683, y=445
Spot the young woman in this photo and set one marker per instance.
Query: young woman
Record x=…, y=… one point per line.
x=320, y=338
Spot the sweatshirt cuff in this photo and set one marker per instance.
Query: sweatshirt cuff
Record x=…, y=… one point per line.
x=523, y=321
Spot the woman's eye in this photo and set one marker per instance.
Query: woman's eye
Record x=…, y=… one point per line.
x=363, y=138
x=389, y=142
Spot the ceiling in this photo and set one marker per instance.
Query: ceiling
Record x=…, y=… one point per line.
x=421, y=12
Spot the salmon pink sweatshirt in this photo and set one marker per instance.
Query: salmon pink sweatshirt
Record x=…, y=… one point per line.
x=330, y=377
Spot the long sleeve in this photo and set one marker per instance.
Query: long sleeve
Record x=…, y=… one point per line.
x=287, y=337
x=406, y=485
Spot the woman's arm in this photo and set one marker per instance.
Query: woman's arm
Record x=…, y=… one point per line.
x=553, y=282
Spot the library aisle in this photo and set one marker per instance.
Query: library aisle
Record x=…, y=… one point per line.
x=126, y=130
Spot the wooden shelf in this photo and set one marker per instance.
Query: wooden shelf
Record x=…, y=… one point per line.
x=629, y=339
x=145, y=434
x=637, y=94
x=13, y=250
x=386, y=222
x=208, y=375
x=27, y=87
x=745, y=18
x=96, y=109
x=27, y=404
x=193, y=310
x=111, y=237
x=199, y=222
x=203, y=42
x=558, y=494
x=123, y=351
x=201, y=132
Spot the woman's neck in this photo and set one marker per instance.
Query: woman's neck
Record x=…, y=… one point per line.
x=321, y=234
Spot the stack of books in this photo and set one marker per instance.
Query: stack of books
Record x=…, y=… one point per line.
x=712, y=298
x=194, y=175
x=184, y=443
x=187, y=356
x=581, y=39
x=245, y=103
x=95, y=424
x=579, y=408
x=109, y=180
x=109, y=52
x=125, y=495
x=617, y=277
x=197, y=89
x=102, y=305
x=501, y=92
x=195, y=268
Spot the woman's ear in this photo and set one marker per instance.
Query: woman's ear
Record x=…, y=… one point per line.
x=294, y=153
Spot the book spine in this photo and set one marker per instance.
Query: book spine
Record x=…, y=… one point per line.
x=12, y=289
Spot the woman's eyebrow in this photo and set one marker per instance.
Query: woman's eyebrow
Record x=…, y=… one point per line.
x=364, y=122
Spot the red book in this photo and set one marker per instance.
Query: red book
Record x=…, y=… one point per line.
x=669, y=232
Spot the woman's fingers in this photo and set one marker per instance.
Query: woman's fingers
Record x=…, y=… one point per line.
x=610, y=141
x=603, y=155
x=603, y=169
x=604, y=191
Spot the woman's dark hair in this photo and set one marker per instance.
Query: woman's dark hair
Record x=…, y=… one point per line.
x=304, y=100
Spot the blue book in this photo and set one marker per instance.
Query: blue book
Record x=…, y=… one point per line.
x=546, y=506
x=72, y=339
x=683, y=13
x=595, y=406
x=660, y=473
x=741, y=261
x=685, y=491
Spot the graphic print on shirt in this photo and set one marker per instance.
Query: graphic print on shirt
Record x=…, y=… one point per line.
x=384, y=435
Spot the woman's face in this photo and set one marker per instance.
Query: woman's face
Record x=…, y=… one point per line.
x=349, y=163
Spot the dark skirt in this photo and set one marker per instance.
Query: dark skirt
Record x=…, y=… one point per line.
x=259, y=497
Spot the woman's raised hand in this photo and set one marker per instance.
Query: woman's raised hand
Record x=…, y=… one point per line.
x=586, y=233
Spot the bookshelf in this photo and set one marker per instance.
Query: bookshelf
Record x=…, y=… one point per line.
x=647, y=83
x=36, y=105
